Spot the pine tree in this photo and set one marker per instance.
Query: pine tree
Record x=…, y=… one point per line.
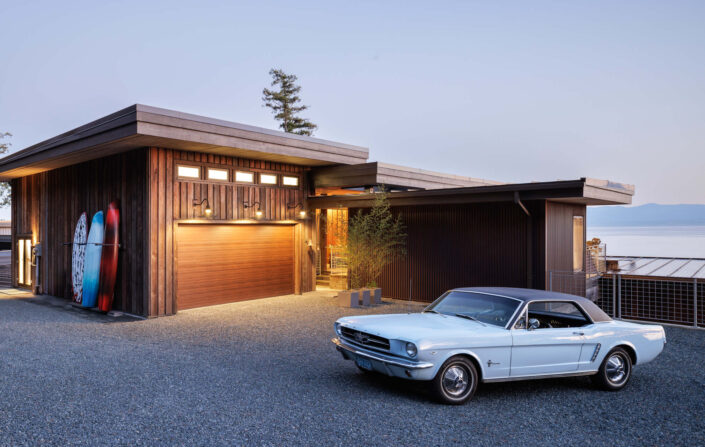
x=284, y=103
x=4, y=186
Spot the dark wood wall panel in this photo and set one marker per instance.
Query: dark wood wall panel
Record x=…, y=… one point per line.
x=559, y=234
x=171, y=200
x=47, y=205
x=460, y=245
x=559, y=240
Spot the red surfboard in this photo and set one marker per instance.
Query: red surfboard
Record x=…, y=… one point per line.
x=109, y=257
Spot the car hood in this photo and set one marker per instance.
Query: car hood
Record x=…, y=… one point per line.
x=414, y=327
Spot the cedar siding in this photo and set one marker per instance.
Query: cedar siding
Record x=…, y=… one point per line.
x=47, y=206
x=171, y=203
x=153, y=203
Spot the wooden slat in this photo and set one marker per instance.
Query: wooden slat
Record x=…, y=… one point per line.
x=225, y=263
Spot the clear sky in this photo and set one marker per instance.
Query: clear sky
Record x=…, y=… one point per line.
x=507, y=91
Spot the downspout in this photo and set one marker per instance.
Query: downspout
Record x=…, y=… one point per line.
x=529, y=240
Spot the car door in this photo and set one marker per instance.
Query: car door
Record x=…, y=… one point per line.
x=545, y=350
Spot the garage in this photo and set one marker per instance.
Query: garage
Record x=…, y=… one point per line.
x=224, y=263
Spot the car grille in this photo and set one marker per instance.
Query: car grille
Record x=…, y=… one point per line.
x=364, y=339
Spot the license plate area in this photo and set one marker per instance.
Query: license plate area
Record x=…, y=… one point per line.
x=363, y=363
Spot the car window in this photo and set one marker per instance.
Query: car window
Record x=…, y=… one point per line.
x=557, y=314
x=489, y=309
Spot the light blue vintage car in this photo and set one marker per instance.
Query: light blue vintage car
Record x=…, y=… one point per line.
x=473, y=335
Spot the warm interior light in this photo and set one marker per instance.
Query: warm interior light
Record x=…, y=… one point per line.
x=208, y=210
x=290, y=181
x=217, y=174
x=302, y=214
x=258, y=213
x=268, y=179
x=189, y=171
x=245, y=177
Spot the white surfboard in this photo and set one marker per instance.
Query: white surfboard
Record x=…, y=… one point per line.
x=78, y=257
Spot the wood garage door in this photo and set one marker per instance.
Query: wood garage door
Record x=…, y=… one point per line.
x=219, y=264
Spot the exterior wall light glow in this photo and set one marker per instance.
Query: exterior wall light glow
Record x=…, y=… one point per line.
x=302, y=213
x=208, y=211
x=258, y=209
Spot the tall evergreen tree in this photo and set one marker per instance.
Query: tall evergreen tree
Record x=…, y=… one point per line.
x=4, y=186
x=285, y=103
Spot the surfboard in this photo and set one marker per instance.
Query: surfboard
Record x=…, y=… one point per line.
x=78, y=255
x=91, y=265
x=109, y=257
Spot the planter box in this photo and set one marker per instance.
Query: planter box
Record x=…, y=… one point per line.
x=349, y=298
x=376, y=296
x=365, y=297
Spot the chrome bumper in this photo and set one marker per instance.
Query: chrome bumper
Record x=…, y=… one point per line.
x=386, y=360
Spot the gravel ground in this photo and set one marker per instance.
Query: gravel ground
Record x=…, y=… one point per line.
x=265, y=373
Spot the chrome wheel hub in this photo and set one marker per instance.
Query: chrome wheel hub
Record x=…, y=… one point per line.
x=455, y=380
x=616, y=369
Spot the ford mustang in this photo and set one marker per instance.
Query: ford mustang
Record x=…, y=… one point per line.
x=473, y=335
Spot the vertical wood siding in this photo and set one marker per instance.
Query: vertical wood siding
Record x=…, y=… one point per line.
x=461, y=245
x=559, y=235
x=172, y=199
x=47, y=205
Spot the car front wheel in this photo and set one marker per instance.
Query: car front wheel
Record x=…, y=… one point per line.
x=456, y=381
x=615, y=371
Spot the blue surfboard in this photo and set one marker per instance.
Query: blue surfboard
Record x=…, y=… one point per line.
x=91, y=264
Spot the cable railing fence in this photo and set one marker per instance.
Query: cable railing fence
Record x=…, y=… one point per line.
x=678, y=301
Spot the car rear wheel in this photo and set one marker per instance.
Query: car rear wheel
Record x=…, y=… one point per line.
x=456, y=381
x=615, y=371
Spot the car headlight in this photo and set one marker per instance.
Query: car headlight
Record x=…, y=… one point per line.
x=337, y=328
x=411, y=350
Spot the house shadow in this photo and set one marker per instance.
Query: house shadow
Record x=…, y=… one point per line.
x=61, y=309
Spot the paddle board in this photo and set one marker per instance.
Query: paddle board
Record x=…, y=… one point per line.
x=78, y=255
x=91, y=265
x=109, y=257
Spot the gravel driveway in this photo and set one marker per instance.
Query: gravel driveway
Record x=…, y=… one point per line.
x=265, y=373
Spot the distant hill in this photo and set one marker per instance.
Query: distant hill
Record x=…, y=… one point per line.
x=649, y=215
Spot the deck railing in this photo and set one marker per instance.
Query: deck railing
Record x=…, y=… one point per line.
x=679, y=301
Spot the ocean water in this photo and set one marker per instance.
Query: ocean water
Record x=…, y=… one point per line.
x=676, y=241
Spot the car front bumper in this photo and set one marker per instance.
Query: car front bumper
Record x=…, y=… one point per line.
x=386, y=364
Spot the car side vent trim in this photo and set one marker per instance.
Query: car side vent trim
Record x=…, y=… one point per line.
x=597, y=350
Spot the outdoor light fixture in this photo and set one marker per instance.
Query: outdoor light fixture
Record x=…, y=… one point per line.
x=258, y=211
x=302, y=213
x=208, y=211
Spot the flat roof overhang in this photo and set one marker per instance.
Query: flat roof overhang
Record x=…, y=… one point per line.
x=145, y=126
x=376, y=173
x=582, y=191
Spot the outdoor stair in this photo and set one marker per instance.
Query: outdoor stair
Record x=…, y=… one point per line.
x=323, y=280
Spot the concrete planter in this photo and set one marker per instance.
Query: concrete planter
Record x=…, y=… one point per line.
x=349, y=298
x=376, y=296
x=365, y=297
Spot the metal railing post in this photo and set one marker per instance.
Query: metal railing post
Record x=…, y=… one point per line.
x=614, y=295
x=550, y=281
x=618, y=309
x=695, y=302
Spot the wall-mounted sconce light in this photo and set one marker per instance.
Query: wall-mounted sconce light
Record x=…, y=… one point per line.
x=302, y=213
x=258, y=210
x=208, y=211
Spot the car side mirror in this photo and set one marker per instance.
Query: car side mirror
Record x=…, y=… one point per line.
x=533, y=324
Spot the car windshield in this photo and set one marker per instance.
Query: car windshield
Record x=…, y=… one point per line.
x=490, y=309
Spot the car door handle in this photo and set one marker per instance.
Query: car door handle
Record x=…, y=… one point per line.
x=578, y=333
